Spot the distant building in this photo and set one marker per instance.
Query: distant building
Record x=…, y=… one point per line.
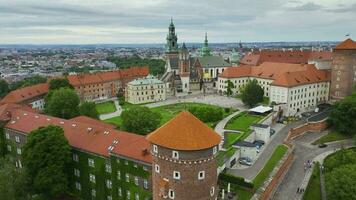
x=294, y=87
x=185, y=73
x=104, y=85
x=184, y=160
x=343, y=73
x=144, y=90
x=32, y=95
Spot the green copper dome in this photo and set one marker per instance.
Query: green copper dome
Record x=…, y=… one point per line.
x=205, y=50
x=235, y=56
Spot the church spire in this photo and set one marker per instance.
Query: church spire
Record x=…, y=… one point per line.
x=172, y=39
x=205, y=50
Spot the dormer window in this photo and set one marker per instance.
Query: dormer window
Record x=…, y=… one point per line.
x=175, y=154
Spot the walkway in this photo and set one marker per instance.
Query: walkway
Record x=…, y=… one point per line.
x=251, y=172
x=114, y=114
x=296, y=176
x=219, y=128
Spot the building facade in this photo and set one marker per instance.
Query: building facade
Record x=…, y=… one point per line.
x=102, y=167
x=183, y=161
x=145, y=90
x=343, y=73
x=295, y=88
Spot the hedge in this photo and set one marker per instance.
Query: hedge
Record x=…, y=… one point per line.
x=235, y=180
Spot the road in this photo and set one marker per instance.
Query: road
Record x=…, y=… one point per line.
x=303, y=151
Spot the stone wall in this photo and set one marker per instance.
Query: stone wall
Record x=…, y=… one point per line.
x=309, y=126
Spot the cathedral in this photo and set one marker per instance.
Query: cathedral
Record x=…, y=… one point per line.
x=185, y=73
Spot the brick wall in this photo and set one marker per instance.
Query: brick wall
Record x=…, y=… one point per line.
x=309, y=126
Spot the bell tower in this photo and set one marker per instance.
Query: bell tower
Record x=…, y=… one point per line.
x=172, y=39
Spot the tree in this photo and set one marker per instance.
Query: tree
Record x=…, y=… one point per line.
x=343, y=114
x=28, y=82
x=341, y=183
x=88, y=109
x=13, y=180
x=47, y=158
x=207, y=114
x=156, y=66
x=140, y=120
x=57, y=83
x=230, y=85
x=63, y=103
x=252, y=94
x=4, y=88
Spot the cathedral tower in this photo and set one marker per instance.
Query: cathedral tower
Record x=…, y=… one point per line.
x=184, y=164
x=205, y=50
x=172, y=39
x=184, y=68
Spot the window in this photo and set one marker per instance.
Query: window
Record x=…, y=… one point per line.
x=137, y=196
x=17, y=139
x=78, y=186
x=215, y=150
x=108, y=184
x=108, y=168
x=175, y=154
x=157, y=168
x=171, y=194
x=155, y=149
x=75, y=157
x=128, y=194
x=93, y=193
x=118, y=175
x=176, y=175
x=8, y=147
x=119, y=191
x=136, y=180
x=76, y=173
x=19, y=152
x=201, y=175
x=145, y=184
x=91, y=162
x=127, y=177
x=92, y=178
x=7, y=136
x=212, y=191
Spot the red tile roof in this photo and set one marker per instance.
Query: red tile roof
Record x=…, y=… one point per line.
x=95, y=122
x=6, y=110
x=26, y=93
x=102, y=77
x=283, y=74
x=93, y=138
x=185, y=132
x=348, y=44
x=294, y=56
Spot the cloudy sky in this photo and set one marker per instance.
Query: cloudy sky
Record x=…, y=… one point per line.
x=146, y=21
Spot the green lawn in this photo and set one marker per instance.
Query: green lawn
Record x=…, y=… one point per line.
x=313, y=191
x=231, y=138
x=168, y=112
x=331, y=137
x=242, y=122
x=270, y=165
x=106, y=107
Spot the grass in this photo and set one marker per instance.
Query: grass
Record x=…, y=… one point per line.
x=313, y=190
x=224, y=154
x=242, y=122
x=270, y=165
x=106, y=107
x=231, y=138
x=331, y=137
x=168, y=112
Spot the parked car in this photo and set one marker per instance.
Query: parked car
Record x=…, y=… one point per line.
x=245, y=161
x=259, y=143
x=322, y=145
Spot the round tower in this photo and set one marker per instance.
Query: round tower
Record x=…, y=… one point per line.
x=184, y=159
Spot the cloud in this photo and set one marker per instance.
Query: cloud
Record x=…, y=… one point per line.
x=138, y=21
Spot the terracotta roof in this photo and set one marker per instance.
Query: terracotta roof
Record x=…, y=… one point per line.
x=26, y=93
x=311, y=75
x=287, y=56
x=88, y=120
x=91, y=137
x=283, y=74
x=102, y=77
x=348, y=44
x=6, y=109
x=184, y=132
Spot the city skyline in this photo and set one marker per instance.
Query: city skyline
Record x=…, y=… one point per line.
x=121, y=22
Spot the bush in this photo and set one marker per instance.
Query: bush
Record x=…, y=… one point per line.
x=207, y=114
x=235, y=180
x=227, y=110
x=121, y=101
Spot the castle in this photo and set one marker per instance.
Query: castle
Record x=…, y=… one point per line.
x=185, y=73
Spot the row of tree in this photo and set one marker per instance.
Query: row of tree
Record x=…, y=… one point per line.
x=156, y=66
x=5, y=88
